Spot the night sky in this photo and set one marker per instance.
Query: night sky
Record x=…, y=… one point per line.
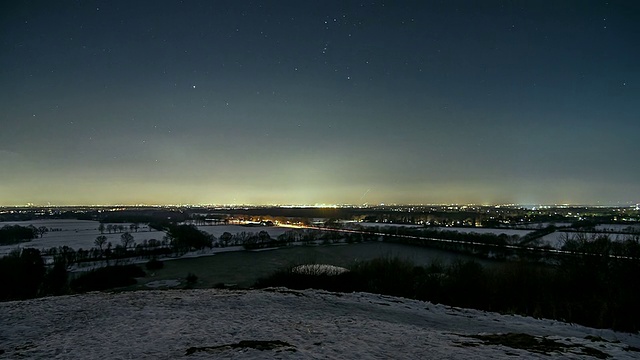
x=319, y=102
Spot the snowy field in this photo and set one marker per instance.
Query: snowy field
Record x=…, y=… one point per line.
x=217, y=230
x=285, y=324
x=542, y=225
x=467, y=230
x=81, y=234
x=383, y=225
x=618, y=228
x=519, y=232
x=77, y=234
x=556, y=239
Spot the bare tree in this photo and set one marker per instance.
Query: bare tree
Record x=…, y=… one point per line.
x=100, y=241
x=43, y=230
x=225, y=238
x=126, y=239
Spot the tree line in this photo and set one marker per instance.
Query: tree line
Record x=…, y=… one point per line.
x=593, y=289
x=14, y=234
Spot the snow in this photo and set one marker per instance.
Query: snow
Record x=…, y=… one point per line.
x=163, y=283
x=211, y=323
x=618, y=227
x=477, y=230
x=384, y=224
x=217, y=230
x=319, y=269
x=81, y=234
x=77, y=234
x=557, y=239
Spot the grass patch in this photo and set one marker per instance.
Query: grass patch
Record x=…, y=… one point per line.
x=245, y=344
x=540, y=345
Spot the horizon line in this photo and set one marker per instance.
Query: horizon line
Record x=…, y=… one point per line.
x=321, y=205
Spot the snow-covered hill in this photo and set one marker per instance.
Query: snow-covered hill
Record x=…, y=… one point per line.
x=285, y=324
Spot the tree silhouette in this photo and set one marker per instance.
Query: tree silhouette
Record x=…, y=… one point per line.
x=126, y=239
x=43, y=230
x=226, y=238
x=100, y=241
x=264, y=236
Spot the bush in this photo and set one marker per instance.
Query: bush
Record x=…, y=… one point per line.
x=154, y=264
x=191, y=279
x=21, y=274
x=591, y=290
x=389, y=276
x=107, y=278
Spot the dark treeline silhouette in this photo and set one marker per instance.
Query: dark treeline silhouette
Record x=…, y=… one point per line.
x=13, y=234
x=106, y=278
x=143, y=216
x=23, y=275
x=593, y=290
x=187, y=237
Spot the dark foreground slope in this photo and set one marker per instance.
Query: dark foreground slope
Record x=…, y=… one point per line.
x=285, y=324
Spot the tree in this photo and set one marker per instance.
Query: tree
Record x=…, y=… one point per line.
x=100, y=241
x=101, y=228
x=186, y=237
x=13, y=234
x=126, y=239
x=226, y=238
x=55, y=280
x=264, y=236
x=109, y=228
x=43, y=230
x=21, y=274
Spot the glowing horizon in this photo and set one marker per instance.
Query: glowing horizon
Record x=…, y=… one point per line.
x=204, y=102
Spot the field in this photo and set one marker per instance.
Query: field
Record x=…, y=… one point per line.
x=556, y=239
x=81, y=234
x=77, y=234
x=243, y=268
x=476, y=230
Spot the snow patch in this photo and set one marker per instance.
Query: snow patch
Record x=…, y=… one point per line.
x=284, y=324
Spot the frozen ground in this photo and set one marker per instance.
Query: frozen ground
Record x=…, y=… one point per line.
x=618, y=228
x=383, y=224
x=217, y=230
x=557, y=239
x=285, y=324
x=79, y=234
x=476, y=230
x=76, y=234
